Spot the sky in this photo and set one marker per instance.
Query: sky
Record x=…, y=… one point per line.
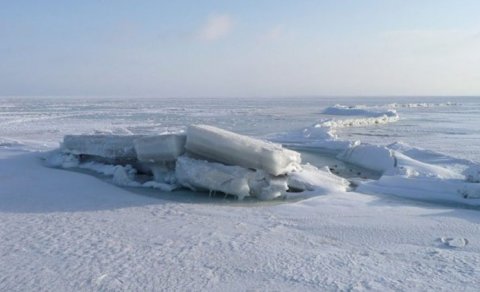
x=239, y=48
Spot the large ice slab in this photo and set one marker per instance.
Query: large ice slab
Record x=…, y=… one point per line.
x=160, y=148
x=203, y=175
x=231, y=148
x=198, y=174
x=106, y=146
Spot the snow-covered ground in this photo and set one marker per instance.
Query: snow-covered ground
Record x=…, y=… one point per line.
x=407, y=226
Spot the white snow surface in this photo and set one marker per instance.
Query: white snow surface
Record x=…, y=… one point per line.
x=63, y=230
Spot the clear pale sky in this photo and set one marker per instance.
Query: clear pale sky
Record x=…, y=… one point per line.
x=239, y=48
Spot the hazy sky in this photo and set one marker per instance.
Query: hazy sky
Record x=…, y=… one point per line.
x=239, y=48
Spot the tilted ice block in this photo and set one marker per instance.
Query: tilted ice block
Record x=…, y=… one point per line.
x=231, y=148
x=106, y=146
x=310, y=178
x=203, y=175
x=160, y=148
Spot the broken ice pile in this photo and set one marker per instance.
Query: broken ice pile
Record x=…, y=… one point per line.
x=204, y=158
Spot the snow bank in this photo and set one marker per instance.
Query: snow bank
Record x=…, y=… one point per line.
x=160, y=148
x=106, y=146
x=234, y=149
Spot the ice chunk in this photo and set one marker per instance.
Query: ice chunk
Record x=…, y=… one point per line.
x=58, y=159
x=231, y=148
x=106, y=146
x=160, y=148
x=124, y=176
x=275, y=187
x=235, y=180
x=203, y=175
x=164, y=172
x=310, y=178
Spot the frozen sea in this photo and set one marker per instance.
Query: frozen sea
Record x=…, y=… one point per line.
x=446, y=124
x=68, y=231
